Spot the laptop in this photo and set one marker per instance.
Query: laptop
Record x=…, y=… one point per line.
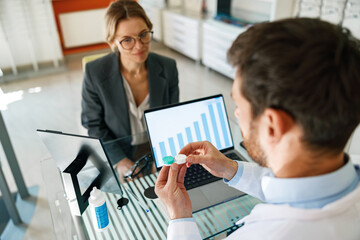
x=83, y=164
x=173, y=126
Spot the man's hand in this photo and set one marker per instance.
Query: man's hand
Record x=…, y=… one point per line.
x=210, y=158
x=171, y=191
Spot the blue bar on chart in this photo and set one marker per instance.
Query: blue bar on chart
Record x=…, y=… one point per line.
x=188, y=134
x=223, y=127
x=214, y=126
x=197, y=130
x=181, y=140
x=172, y=146
x=206, y=127
x=155, y=154
x=162, y=149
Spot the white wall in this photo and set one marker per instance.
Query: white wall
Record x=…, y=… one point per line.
x=83, y=28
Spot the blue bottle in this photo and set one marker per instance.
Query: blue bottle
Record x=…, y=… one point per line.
x=98, y=210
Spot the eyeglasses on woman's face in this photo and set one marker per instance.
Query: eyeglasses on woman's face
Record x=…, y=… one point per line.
x=129, y=42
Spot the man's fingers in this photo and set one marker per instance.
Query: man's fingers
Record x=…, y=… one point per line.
x=182, y=172
x=173, y=174
x=191, y=147
x=163, y=174
x=195, y=159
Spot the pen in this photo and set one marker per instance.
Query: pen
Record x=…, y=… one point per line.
x=137, y=199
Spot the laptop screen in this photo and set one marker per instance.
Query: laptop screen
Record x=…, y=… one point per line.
x=171, y=127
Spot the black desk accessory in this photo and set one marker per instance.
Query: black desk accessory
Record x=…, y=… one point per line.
x=150, y=193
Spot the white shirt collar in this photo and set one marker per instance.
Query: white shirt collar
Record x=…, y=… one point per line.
x=310, y=192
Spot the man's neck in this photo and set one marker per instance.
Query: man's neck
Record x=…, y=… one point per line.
x=308, y=164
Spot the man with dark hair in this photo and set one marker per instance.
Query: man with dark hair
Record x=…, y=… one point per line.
x=297, y=92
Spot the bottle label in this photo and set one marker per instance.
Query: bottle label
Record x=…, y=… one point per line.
x=101, y=214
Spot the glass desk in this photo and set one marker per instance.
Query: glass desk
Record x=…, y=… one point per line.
x=132, y=221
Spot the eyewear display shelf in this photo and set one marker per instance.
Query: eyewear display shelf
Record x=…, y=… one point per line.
x=132, y=222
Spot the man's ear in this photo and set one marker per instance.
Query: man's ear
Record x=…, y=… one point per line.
x=276, y=123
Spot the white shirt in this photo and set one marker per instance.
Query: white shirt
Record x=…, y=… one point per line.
x=136, y=115
x=320, y=207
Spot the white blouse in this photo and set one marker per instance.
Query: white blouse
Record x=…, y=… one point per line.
x=136, y=116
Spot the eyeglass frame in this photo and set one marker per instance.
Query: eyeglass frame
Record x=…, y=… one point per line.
x=135, y=38
x=130, y=173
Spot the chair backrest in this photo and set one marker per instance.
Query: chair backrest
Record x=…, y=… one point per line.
x=90, y=58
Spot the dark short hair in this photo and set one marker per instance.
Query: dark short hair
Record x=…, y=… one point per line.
x=120, y=10
x=308, y=68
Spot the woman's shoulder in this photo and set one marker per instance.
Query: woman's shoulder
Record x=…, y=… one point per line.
x=103, y=67
x=161, y=59
x=101, y=60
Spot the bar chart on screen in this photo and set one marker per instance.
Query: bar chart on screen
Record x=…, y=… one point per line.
x=172, y=128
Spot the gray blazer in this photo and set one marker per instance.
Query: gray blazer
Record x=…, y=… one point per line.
x=104, y=103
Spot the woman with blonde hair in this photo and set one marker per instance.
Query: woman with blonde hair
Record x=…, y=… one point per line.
x=118, y=87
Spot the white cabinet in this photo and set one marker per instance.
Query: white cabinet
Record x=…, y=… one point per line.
x=262, y=10
x=182, y=32
x=155, y=3
x=153, y=9
x=217, y=39
x=154, y=14
x=342, y=12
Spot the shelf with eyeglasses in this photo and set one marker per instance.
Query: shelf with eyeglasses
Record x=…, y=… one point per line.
x=132, y=221
x=220, y=32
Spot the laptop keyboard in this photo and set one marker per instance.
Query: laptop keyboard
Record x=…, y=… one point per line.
x=196, y=175
x=233, y=156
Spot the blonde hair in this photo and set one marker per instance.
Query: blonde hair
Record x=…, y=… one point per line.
x=120, y=10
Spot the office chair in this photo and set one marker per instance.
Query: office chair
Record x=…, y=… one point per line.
x=90, y=58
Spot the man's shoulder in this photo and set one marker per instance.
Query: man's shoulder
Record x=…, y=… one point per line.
x=270, y=220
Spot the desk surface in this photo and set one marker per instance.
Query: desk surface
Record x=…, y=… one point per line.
x=132, y=222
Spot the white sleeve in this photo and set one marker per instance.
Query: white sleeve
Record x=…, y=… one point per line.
x=248, y=179
x=183, y=229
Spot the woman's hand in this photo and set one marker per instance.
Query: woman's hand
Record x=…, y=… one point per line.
x=123, y=166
